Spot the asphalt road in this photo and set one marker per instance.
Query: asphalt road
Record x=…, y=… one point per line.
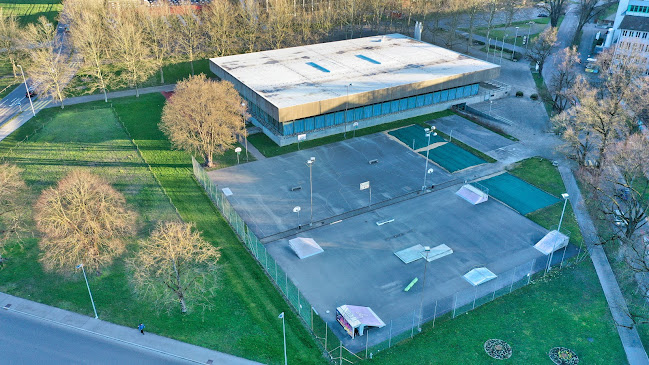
x=28, y=340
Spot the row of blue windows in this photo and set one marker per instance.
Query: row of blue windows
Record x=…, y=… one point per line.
x=263, y=117
x=375, y=110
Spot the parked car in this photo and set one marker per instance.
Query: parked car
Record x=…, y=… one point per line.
x=31, y=93
x=543, y=15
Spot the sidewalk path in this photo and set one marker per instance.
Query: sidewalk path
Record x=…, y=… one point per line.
x=124, y=335
x=633, y=347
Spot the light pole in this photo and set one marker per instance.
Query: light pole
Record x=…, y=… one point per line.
x=238, y=151
x=490, y=104
x=515, y=39
x=310, y=163
x=297, y=210
x=245, y=132
x=502, y=49
x=89, y=292
x=423, y=288
x=29, y=96
x=529, y=31
x=281, y=315
x=565, y=197
x=426, y=171
x=346, y=107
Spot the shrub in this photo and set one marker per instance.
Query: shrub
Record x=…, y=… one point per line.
x=519, y=94
x=534, y=96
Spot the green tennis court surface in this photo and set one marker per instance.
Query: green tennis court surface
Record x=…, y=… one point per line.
x=453, y=158
x=414, y=136
x=518, y=194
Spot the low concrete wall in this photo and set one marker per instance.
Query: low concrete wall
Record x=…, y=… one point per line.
x=287, y=140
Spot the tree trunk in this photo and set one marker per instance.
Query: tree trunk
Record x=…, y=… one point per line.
x=162, y=76
x=208, y=160
x=183, y=306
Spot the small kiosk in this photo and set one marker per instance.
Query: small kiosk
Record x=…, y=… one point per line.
x=354, y=319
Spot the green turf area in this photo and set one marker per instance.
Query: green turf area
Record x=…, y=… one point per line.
x=243, y=320
x=452, y=157
x=28, y=11
x=544, y=93
x=518, y=194
x=414, y=136
x=269, y=148
x=7, y=80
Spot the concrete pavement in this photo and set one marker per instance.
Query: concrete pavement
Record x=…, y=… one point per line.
x=24, y=324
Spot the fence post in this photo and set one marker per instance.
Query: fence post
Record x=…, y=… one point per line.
x=299, y=306
x=367, y=340
x=390, y=338
x=341, y=352
x=326, y=336
x=454, y=305
x=475, y=294
x=435, y=314
x=529, y=274
x=564, y=255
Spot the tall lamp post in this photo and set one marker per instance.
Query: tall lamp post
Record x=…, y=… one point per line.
x=423, y=288
x=281, y=315
x=89, y=292
x=426, y=171
x=502, y=49
x=297, y=210
x=515, y=39
x=310, y=163
x=29, y=96
x=245, y=132
x=565, y=197
x=346, y=107
x=529, y=31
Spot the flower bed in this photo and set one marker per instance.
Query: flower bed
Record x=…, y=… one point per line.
x=563, y=356
x=498, y=349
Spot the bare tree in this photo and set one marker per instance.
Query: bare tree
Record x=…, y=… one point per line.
x=89, y=36
x=203, y=116
x=555, y=9
x=623, y=185
x=175, y=266
x=220, y=22
x=280, y=23
x=159, y=35
x=11, y=40
x=12, y=189
x=50, y=68
x=190, y=33
x=130, y=47
x=586, y=11
x=83, y=220
x=542, y=47
x=564, y=77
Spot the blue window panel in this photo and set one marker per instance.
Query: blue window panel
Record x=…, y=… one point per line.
x=350, y=115
x=319, y=122
x=452, y=93
x=474, y=89
x=467, y=91
x=394, y=106
x=367, y=112
x=412, y=101
x=403, y=104
x=288, y=128
x=420, y=101
x=358, y=113
x=329, y=119
x=340, y=117
x=376, y=110
x=298, y=126
x=436, y=97
x=444, y=96
x=428, y=99
x=309, y=124
x=385, y=108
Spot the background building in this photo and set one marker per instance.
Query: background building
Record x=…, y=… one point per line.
x=331, y=88
x=630, y=32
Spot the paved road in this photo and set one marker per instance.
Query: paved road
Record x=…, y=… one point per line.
x=28, y=340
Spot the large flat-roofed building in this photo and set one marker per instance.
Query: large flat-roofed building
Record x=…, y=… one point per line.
x=330, y=88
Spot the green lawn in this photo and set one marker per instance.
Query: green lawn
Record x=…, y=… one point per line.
x=565, y=308
x=7, y=81
x=243, y=320
x=543, y=92
x=28, y=11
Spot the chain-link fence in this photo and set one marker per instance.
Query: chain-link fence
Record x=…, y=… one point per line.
x=396, y=329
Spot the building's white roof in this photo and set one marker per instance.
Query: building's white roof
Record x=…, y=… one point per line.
x=285, y=78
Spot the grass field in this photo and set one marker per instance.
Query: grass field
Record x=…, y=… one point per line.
x=28, y=11
x=7, y=81
x=243, y=320
x=565, y=308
